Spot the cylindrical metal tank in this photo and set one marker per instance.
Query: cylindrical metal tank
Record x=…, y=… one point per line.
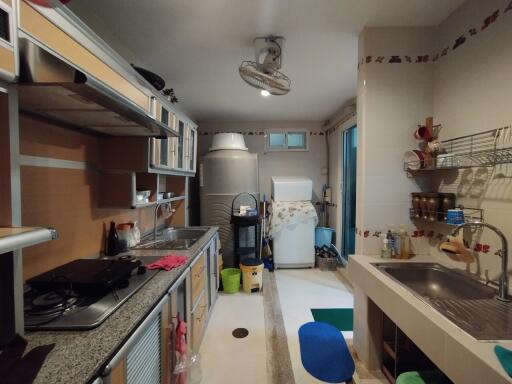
x=223, y=174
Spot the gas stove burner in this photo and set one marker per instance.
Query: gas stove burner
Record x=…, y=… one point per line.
x=54, y=299
x=50, y=305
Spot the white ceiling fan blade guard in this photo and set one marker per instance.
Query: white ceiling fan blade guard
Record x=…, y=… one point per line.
x=275, y=82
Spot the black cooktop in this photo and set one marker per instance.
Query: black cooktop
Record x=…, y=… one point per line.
x=86, y=276
x=83, y=293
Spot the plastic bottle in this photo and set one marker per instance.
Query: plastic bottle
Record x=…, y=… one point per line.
x=405, y=241
x=397, y=245
x=136, y=233
x=385, y=252
x=391, y=241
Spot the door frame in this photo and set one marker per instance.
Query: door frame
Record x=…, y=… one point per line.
x=343, y=197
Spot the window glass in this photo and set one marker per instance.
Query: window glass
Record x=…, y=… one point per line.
x=4, y=25
x=181, y=131
x=297, y=140
x=165, y=116
x=277, y=140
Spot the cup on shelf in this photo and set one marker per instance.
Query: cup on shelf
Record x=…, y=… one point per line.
x=455, y=216
x=434, y=146
x=422, y=133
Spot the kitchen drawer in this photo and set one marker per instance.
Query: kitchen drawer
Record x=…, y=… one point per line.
x=199, y=318
x=197, y=278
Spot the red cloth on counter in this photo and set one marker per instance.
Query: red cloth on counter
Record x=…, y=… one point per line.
x=168, y=262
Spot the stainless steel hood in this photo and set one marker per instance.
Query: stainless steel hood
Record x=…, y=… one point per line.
x=51, y=88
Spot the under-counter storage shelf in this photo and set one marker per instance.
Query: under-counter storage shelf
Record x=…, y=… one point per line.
x=400, y=354
x=485, y=149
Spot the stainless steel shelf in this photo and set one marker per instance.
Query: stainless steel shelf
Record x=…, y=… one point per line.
x=485, y=149
x=470, y=215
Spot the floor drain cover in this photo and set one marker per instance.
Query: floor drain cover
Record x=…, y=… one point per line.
x=240, y=333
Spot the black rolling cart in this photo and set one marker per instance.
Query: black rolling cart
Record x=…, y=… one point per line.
x=240, y=221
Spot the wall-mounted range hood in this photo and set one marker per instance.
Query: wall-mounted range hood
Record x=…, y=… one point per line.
x=53, y=89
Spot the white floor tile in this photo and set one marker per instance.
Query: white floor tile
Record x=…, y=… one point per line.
x=225, y=359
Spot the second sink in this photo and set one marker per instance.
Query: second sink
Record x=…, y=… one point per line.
x=435, y=281
x=466, y=302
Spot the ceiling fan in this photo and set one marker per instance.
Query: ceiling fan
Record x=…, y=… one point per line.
x=263, y=73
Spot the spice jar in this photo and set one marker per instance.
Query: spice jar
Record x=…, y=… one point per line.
x=433, y=201
x=447, y=203
x=416, y=204
x=424, y=206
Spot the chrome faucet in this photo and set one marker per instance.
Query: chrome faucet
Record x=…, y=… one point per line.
x=503, y=283
x=157, y=207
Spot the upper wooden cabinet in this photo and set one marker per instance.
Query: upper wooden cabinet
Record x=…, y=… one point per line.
x=8, y=39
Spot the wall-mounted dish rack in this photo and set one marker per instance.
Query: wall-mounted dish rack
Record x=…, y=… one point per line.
x=485, y=149
x=470, y=215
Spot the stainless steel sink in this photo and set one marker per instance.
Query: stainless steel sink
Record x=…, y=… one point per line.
x=466, y=302
x=173, y=239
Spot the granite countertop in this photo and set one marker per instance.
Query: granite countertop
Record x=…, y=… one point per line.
x=78, y=356
x=460, y=356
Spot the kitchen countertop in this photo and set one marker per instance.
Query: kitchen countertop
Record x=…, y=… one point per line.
x=78, y=356
x=460, y=356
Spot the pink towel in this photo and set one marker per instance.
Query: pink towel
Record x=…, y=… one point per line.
x=168, y=262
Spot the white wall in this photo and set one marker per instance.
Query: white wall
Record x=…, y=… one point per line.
x=311, y=163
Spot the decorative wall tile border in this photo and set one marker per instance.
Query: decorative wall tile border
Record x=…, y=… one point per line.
x=253, y=133
x=429, y=234
x=487, y=22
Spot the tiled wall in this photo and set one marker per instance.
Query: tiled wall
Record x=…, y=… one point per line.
x=472, y=93
x=466, y=84
x=392, y=100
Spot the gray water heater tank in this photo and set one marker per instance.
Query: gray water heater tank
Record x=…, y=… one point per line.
x=227, y=170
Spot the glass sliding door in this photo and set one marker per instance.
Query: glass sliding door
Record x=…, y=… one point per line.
x=348, y=211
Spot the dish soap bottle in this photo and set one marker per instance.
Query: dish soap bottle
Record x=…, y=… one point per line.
x=405, y=243
x=385, y=252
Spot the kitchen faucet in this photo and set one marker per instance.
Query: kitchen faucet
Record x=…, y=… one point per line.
x=157, y=207
x=503, y=283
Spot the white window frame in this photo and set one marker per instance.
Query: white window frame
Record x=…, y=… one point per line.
x=285, y=148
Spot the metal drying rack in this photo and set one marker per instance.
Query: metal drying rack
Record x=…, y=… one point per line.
x=485, y=149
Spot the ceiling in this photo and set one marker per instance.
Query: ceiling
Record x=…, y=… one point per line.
x=197, y=46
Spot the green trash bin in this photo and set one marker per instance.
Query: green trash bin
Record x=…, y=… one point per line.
x=231, y=280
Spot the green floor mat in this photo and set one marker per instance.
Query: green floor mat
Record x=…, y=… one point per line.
x=341, y=318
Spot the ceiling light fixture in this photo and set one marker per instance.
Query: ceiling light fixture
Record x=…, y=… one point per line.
x=265, y=93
